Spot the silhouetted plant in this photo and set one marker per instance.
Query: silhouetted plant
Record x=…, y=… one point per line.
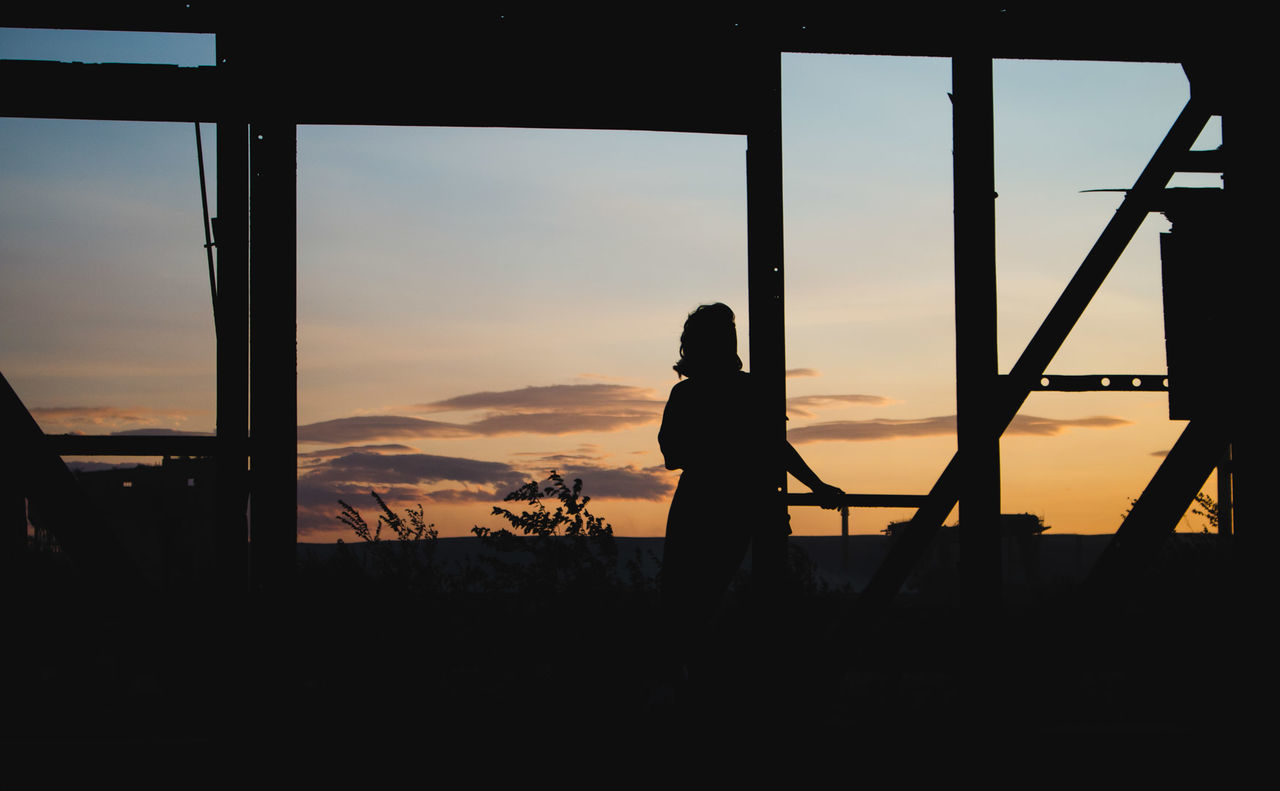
x=1208, y=508
x=408, y=559
x=568, y=549
x=1205, y=506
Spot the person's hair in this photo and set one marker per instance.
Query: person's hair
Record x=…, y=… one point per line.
x=709, y=343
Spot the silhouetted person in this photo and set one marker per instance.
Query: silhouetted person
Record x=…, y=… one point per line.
x=716, y=429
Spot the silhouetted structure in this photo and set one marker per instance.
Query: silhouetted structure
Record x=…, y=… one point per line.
x=1019, y=550
x=713, y=72
x=163, y=514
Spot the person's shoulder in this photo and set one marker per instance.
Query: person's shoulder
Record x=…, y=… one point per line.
x=682, y=387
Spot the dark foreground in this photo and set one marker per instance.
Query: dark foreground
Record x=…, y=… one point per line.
x=351, y=656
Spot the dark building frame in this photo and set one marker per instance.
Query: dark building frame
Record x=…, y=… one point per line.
x=701, y=72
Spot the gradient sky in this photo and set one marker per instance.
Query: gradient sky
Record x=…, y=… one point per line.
x=478, y=306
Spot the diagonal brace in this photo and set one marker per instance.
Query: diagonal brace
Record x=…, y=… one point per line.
x=1040, y=351
x=1156, y=512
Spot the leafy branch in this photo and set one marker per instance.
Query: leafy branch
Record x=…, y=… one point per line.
x=569, y=548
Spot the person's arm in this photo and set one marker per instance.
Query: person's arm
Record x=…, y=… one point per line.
x=673, y=436
x=797, y=467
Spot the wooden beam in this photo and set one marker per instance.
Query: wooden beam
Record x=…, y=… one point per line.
x=978, y=427
x=273, y=380
x=130, y=445
x=231, y=236
x=1092, y=31
x=765, y=295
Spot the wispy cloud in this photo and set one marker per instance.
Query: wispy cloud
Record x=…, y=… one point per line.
x=552, y=410
x=893, y=428
x=332, y=453
x=160, y=432
x=871, y=429
x=557, y=460
x=581, y=398
x=600, y=480
x=1045, y=426
x=624, y=483
x=364, y=469
x=555, y=423
x=798, y=372
x=412, y=468
x=80, y=419
x=401, y=479
x=800, y=406
x=320, y=500
x=370, y=428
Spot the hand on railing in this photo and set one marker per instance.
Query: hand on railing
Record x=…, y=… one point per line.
x=831, y=497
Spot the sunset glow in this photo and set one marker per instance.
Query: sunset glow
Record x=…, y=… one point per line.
x=477, y=307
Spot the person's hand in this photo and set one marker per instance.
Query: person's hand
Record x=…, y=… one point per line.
x=831, y=497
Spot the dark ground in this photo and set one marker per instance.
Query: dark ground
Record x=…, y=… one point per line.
x=353, y=656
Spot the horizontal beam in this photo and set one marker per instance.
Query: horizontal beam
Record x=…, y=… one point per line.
x=533, y=68
x=693, y=93
x=1102, y=383
x=154, y=16
x=134, y=445
x=1009, y=30
x=108, y=91
x=861, y=500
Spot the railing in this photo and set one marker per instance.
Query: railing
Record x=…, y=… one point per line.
x=130, y=445
x=856, y=501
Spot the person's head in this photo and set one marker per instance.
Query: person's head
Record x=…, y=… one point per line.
x=709, y=343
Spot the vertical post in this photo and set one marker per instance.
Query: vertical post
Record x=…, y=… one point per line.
x=232, y=241
x=13, y=511
x=764, y=286
x=274, y=362
x=1249, y=170
x=13, y=520
x=1224, y=494
x=1249, y=147
x=977, y=367
x=844, y=537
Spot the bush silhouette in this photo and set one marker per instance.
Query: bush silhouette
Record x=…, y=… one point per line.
x=555, y=552
x=545, y=552
x=409, y=560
